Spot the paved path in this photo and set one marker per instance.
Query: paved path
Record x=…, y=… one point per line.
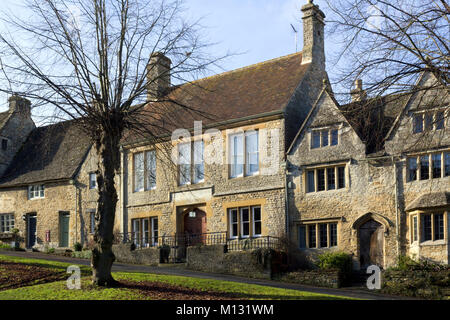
x=359, y=293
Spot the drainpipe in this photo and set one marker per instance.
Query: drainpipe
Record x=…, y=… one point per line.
x=397, y=222
x=76, y=209
x=286, y=205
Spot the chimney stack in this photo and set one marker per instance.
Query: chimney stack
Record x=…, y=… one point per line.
x=313, y=35
x=158, y=76
x=20, y=106
x=358, y=94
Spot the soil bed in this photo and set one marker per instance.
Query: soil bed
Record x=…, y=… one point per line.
x=16, y=275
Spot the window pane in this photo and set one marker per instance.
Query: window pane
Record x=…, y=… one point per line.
x=154, y=231
x=41, y=191
x=139, y=171
x=323, y=235
x=151, y=169
x=301, y=237
x=237, y=155
x=184, y=163
x=415, y=229
x=333, y=234
x=256, y=221
x=310, y=177
x=312, y=236
x=331, y=179
x=325, y=138
x=341, y=177
x=429, y=121
x=440, y=120
x=320, y=179
x=199, y=165
x=92, y=181
x=439, y=226
x=245, y=222
x=412, y=169
x=447, y=164
x=233, y=223
x=145, y=232
x=436, y=163
x=424, y=168
x=92, y=218
x=251, y=147
x=315, y=139
x=426, y=223
x=418, y=123
x=136, y=232
x=334, y=137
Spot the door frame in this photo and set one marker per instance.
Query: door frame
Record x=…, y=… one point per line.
x=60, y=215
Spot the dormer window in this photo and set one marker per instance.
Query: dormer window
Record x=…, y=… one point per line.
x=428, y=121
x=324, y=138
x=36, y=192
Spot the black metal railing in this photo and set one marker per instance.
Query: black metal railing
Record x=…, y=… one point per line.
x=188, y=240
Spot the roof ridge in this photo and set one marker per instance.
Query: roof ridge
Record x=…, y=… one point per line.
x=243, y=68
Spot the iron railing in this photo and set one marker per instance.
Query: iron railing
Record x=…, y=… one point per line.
x=188, y=240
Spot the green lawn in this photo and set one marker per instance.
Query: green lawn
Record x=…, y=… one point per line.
x=58, y=290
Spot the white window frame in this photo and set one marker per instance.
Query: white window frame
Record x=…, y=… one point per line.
x=248, y=154
x=243, y=155
x=254, y=221
x=154, y=231
x=149, y=165
x=249, y=222
x=151, y=169
x=198, y=161
x=139, y=169
x=36, y=191
x=231, y=223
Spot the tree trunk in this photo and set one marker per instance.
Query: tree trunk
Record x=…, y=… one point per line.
x=107, y=148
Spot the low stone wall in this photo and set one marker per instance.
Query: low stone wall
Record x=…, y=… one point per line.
x=417, y=283
x=147, y=256
x=259, y=263
x=320, y=278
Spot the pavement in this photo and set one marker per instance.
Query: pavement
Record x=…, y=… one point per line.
x=180, y=270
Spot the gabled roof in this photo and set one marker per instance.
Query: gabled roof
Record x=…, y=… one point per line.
x=50, y=153
x=253, y=91
x=374, y=117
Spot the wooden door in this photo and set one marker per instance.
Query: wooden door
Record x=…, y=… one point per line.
x=371, y=243
x=64, y=219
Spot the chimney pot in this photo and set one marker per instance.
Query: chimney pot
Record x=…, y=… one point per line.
x=358, y=94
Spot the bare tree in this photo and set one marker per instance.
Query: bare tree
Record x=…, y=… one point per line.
x=90, y=60
x=390, y=43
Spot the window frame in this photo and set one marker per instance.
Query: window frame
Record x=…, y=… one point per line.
x=324, y=137
x=428, y=120
x=234, y=155
x=7, y=219
x=313, y=174
x=444, y=164
x=145, y=238
x=147, y=186
x=193, y=164
x=92, y=174
x=32, y=192
x=331, y=235
x=239, y=223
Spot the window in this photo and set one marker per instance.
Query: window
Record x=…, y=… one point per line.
x=36, y=192
x=92, y=181
x=188, y=154
x=318, y=235
x=438, y=226
x=144, y=171
x=302, y=237
x=428, y=121
x=6, y=223
x=234, y=223
x=324, y=179
x=415, y=229
x=244, y=154
x=436, y=165
x=312, y=236
x=426, y=223
x=412, y=169
x=245, y=222
x=418, y=123
x=324, y=138
x=4, y=144
x=92, y=221
x=432, y=166
x=424, y=168
x=145, y=232
x=323, y=235
x=257, y=226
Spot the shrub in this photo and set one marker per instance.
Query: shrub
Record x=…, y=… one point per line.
x=405, y=263
x=5, y=246
x=51, y=250
x=337, y=260
x=77, y=246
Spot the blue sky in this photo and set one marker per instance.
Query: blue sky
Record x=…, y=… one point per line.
x=257, y=29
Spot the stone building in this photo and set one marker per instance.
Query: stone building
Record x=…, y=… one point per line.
x=262, y=151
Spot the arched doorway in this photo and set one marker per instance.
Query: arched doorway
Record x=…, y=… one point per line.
x=371, y=244
x=195, y=225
